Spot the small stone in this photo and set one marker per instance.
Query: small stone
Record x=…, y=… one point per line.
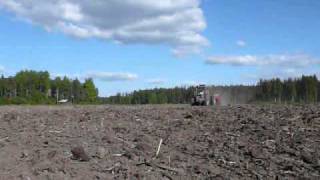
x=101, y=152
x=51, y=154
x=188, y=116
x=24, y=154
x=78, y=153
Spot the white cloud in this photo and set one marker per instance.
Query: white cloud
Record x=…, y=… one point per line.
x=111, y=76
x=156, y=81
x=285, y=60
x=241, y=43
x=177, y=23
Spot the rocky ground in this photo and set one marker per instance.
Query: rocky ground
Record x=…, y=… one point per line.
x=121, y=142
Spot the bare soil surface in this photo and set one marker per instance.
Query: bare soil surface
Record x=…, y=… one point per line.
x=121, y=142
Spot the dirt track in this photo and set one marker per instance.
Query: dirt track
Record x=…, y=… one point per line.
x=120, y=142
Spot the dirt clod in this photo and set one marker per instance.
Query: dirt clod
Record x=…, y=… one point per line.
x=78, y=153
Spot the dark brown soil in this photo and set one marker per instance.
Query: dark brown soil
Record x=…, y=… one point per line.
x=121, y=142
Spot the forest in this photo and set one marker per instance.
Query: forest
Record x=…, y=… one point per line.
x=299, y=90
x=36, y=87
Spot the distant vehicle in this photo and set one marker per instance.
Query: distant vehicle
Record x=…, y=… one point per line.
x=201, y=96
x=204, y=97
x=63, y=101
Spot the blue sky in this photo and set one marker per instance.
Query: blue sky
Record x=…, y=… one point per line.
x=129, y=45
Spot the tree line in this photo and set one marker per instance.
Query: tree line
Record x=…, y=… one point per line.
x=36, y=87
x=299, y=90
x=181, y=95
x=177, y=95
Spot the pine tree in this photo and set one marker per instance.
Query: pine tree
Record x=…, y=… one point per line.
x=90, y=90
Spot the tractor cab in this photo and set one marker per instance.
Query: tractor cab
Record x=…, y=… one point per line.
x=204, y=97
x=201, y=96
